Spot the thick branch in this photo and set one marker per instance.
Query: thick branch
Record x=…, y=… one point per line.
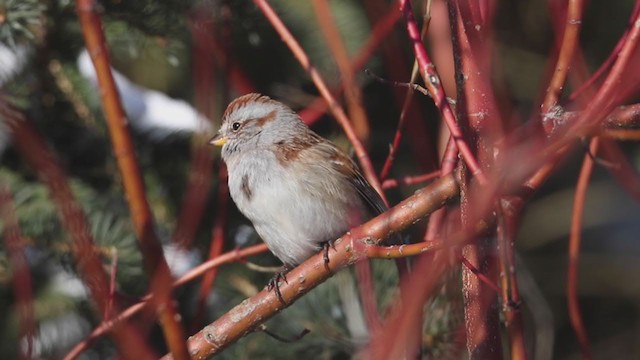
x=350, y=248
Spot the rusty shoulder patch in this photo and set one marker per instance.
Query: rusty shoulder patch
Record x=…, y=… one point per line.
x=287, y=151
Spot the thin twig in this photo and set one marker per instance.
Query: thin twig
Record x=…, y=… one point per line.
x=624, y=172
x=218, y=235
x=409, y=85
x=573, y=305
x=613, y=87
x=381, y=29
x=358, y=116
x=352, y=91
x=282, y=339
x=410, y=180
x=336, y=109
x=395, y=144
x=509, y=212
x=609, y=61
x=193, y=274
x=433, y=84
x=481, y=276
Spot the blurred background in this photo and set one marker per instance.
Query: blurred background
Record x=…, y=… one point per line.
x=178, y=64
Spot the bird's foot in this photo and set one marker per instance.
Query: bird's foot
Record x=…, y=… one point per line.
x=325, y=249
x=273, y=283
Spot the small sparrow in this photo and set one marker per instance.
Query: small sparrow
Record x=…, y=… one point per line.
x=298, y=189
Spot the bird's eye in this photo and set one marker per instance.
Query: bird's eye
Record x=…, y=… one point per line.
x=235, y=126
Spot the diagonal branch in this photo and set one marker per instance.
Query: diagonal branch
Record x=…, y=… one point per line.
x=350, y=248
x=336, y=109
x=433, y=84
x=154, y=261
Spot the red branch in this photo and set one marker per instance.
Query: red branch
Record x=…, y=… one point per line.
x=352, y=91
x=336, y=109
x=395, y=144
x=193, y=274
x=574, y=250
x=410, y=180
x=612, y=57
x=433, y=84
x=570, y=39
x=349, y=249
x=154, y=261
x=616, y=86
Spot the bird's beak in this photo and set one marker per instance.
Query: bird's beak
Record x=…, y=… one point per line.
x=218, y=140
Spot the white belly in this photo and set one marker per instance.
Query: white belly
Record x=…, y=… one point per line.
x=293, y=214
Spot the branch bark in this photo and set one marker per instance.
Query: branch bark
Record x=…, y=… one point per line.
x=350, y=248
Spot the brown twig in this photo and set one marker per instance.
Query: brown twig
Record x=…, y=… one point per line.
x=336, y=109
x=349, y=249
x=319, y=106
x=433, y=84
x=573, y=305
x=352, y=91
x=410, y=180
x=193, y=274
x=154, y=261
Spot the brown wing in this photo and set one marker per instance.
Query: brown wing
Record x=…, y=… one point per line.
x=350, y=170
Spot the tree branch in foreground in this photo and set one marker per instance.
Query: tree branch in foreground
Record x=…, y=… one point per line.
x=350, y=248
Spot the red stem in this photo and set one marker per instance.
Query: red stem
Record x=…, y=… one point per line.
x=433, y=84
x=132, y=310
x=153, y=256
x=352, y=91
x=573, y=305
x=336, y=109
x=570, y=39
x=386, y=168
x=609, y=61
x=410, y=180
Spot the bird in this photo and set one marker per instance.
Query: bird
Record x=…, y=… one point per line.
x=298, y=189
